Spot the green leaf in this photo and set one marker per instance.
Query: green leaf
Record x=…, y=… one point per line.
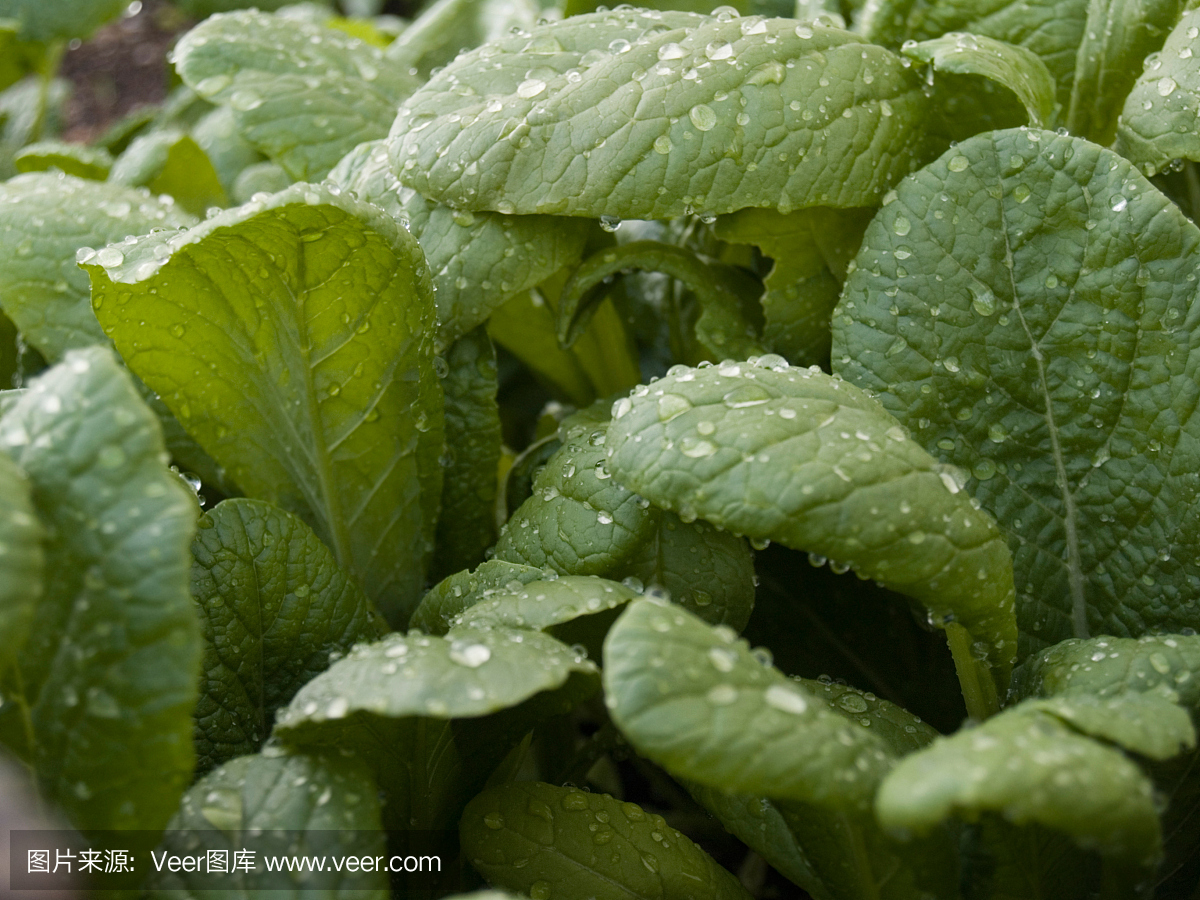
x=795, y=456
x=1156, y=126
x=433, y=716
x=273, y=606
x=79, y=160
x=758, y=823
x=811, y=249
x=539, y=605
x=697, y=701
x=447, y=27
x=21, y=562
x=216, y=133
x=467, y=525
x=294, y=805
x=170, y=162
x=1056, y=366
x=260, y=178
x=302, y=94
x=1106, y=667
x=41, y=288
x=1015, y=67
x=1052, y=30
x=478, y=260
x=660, y=144
x=17, y=58
x=46, y=22
x=450, y=596
x=722, y=327
x=1030, y=767
x=832, y=854
x=108, y=678
x=1117, y=37
x=1147, y=724
x=541, y=839
x=581, y=521
x=297, y=350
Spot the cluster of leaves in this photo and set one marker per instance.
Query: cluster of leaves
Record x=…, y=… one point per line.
x=784, y=279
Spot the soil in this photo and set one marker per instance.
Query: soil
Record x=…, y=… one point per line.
x=120, y=68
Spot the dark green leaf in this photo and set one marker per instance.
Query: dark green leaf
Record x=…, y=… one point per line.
x=108, y=678
x=433, y=716
x=542, y=840
x=660, y=144
x=276, y=805
x=722, y=327
x=1015, y=67
x=21, y=561
x=697, y=701
x=292, y=338
x=1117, y=36
x=450, y=596
x=303, y=94
x=467, y=524
x=811, y=249
x=46, y=22
x=1030, y=767
x=273, y=606
x=1041, y=337
x=1158, y=123
x=795, y=456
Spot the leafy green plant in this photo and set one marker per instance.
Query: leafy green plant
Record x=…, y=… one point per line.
x=411, y=437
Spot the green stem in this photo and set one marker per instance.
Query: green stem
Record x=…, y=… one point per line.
x=868, y=889
x=974, y=678
x=46, y=74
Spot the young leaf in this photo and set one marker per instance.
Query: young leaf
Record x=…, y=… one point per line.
x=541, y=840
x=1158, y=123
x=1030, y=767
x=540, y=605
x=450, y=596
x=467, y=524
x=1015, y=67
x=811, y=249
x=21, y=561
x=292, y=338
x=795, y=456
x=170, y=162
x=78, y=160
x=1146, y=724
x=580, y=521
x=273, y=606
x=41, y=288
x=506, y=126
x=1051, y=356
x=294, y=805
x=434, y=716
x=1117, y=37
x=302, y=94
x=722, y=327
x=478, y=260
x=695, y=700
x=108, y=677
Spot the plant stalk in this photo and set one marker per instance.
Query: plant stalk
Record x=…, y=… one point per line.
x=974, y=677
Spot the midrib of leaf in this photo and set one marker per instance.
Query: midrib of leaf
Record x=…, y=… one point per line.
x=1074, y=563
x=330, y=498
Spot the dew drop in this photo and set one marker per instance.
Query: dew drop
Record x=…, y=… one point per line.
x=703, y=117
